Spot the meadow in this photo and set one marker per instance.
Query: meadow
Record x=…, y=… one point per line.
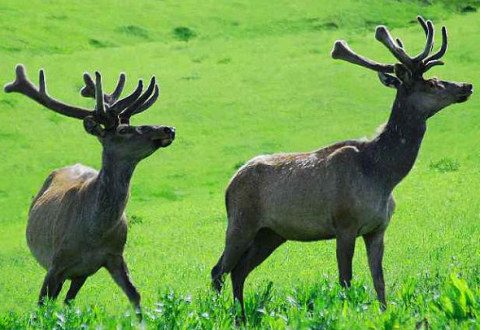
x=238, y=79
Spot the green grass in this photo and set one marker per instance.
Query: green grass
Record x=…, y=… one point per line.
x=239, y=79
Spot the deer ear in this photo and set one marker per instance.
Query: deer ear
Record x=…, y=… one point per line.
x=93, y=127
x=389, y=80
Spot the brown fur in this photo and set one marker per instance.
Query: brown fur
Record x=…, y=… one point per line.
x=77, y=222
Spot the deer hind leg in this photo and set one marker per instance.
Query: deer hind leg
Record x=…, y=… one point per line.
x=118, y=269
x=52, y=285
x=345, y=251
x=237, y=242
x=217, y=275
x=75, y=286
x=266, y=241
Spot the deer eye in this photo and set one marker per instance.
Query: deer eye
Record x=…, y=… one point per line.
x=122, y=131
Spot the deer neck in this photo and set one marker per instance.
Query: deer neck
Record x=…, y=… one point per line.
x=113, y=188
x=396, y=148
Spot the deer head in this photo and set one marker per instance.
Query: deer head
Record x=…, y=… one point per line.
x=423, y=97
x=109, y=121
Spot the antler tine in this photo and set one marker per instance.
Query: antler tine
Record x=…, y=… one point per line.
x=400, y=43
x=423, y=23
x=383, y=35
x=119, y=88
x=120, y=105
x=42, y=85
x=99, y=99
x=341, y=51
x=89, y=89
x=431, y=64
x=128, y=112
x=24, y=86
x=149, y=103
x=430, y=38
x=443, y=49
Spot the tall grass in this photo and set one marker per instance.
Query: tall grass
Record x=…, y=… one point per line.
x=423, y=303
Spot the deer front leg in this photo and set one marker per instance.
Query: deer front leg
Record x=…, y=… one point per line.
x=374, y=243
x=117, y=268
x=345, y=251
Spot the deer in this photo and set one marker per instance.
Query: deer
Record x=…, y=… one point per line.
x=77, y=222
x=344, y=190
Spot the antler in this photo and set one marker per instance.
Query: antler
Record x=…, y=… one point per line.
x=130, y=105
x=89, y=89
x=142, y=103
x=416, y=65
x=341, y=51
x=442, y=50
x=24, y=86
x=109, y=110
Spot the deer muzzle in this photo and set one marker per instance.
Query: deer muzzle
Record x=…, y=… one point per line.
x=164, y=136
x=466, y=90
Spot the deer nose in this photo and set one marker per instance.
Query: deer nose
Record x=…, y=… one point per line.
x=468, y=87
x=170, y=131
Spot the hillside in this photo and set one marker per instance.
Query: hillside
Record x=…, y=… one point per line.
x=237, y=79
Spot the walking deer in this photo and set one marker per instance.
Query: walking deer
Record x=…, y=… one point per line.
x=77, y=222
x=341, y=191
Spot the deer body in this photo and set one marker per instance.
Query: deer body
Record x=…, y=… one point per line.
x=342, y=191
x=94, y=207
x=77, y=221
x=310, y=196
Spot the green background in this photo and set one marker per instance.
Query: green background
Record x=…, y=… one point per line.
x=240, y=78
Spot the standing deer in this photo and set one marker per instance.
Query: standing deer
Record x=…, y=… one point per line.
x=342, y=191
x=77, y=222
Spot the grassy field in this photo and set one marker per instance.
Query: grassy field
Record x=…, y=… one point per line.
x=241, y=78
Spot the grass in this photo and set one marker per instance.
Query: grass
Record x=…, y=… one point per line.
x=240, y=79
x=429, y=302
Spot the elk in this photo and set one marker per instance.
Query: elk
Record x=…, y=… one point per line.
x=341, y=191
x=77, y=222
